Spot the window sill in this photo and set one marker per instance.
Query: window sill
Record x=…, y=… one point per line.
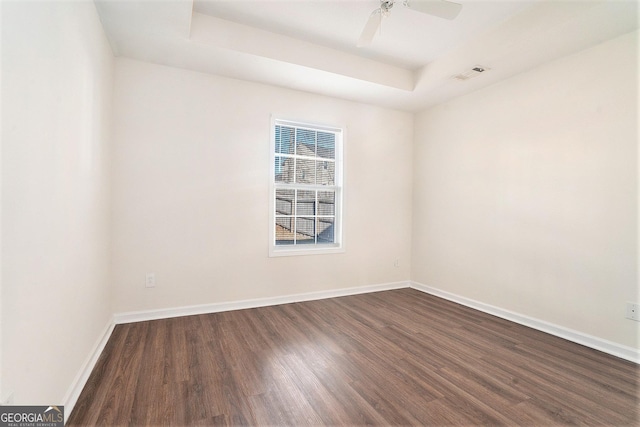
x=278, y=251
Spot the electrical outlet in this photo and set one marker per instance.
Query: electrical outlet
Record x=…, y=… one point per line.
x=150, y=280
x=633, y=311
x=396, y=263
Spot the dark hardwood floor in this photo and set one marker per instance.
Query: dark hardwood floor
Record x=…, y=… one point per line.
x=397, y=357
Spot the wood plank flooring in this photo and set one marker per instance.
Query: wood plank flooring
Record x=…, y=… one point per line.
x=397, y=357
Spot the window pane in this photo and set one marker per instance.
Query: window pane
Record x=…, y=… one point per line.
x=325, y=230
x=284, y=169
x=326, y=145
x=326, y=203
x=306, y=203
x=305, y=230
x=305, y=186
x=305, y=171
x=325, y=172
x=284, y=140
x=284, y=202
x=284, y=230
x=305, y=142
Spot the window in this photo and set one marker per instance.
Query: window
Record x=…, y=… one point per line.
x=306, y=189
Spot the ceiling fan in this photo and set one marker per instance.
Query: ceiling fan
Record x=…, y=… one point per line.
x=440, y=8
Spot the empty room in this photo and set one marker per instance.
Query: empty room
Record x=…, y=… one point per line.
x=320, y=212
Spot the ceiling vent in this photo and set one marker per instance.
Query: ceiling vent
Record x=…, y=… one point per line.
x=474, y=72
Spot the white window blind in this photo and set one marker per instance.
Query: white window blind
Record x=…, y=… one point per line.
x=306, y=185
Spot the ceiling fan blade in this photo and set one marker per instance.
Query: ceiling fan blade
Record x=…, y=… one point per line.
x=370, y=28
x=440, y=8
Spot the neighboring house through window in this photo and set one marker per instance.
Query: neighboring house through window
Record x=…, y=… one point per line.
x=306, y=189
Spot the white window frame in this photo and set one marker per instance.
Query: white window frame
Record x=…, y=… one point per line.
x=315, y=248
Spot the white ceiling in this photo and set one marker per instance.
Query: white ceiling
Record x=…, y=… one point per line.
x=409, y=39
x=310, y=44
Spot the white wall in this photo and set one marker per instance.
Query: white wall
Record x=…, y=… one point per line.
x=525, y=193
x=2, y=392
x=191, y=190
x=56, y=94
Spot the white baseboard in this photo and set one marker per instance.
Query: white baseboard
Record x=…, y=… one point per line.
x=73, y=393
x=618, y=350
x=140, y=316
